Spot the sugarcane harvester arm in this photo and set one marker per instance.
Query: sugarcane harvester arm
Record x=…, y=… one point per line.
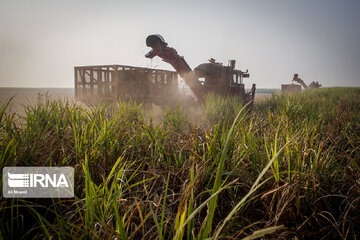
x=160, y=48
x=299, y=80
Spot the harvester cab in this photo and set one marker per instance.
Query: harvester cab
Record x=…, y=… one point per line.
x=220, y=79
x=207, y=77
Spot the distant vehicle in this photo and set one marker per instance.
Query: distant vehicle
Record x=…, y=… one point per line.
x=299, y=80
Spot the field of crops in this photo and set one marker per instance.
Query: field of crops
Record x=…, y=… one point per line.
x=289, y=167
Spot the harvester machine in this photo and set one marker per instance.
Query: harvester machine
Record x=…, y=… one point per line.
x=313, y=84
x=207, y=77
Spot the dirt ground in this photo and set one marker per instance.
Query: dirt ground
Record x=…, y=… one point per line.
x=27, y=96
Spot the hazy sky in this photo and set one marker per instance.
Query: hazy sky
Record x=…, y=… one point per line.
x=42, y=40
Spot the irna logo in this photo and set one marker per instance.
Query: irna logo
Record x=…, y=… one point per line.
x=38, y=182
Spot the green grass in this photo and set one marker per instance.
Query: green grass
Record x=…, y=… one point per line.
x=288, y=167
